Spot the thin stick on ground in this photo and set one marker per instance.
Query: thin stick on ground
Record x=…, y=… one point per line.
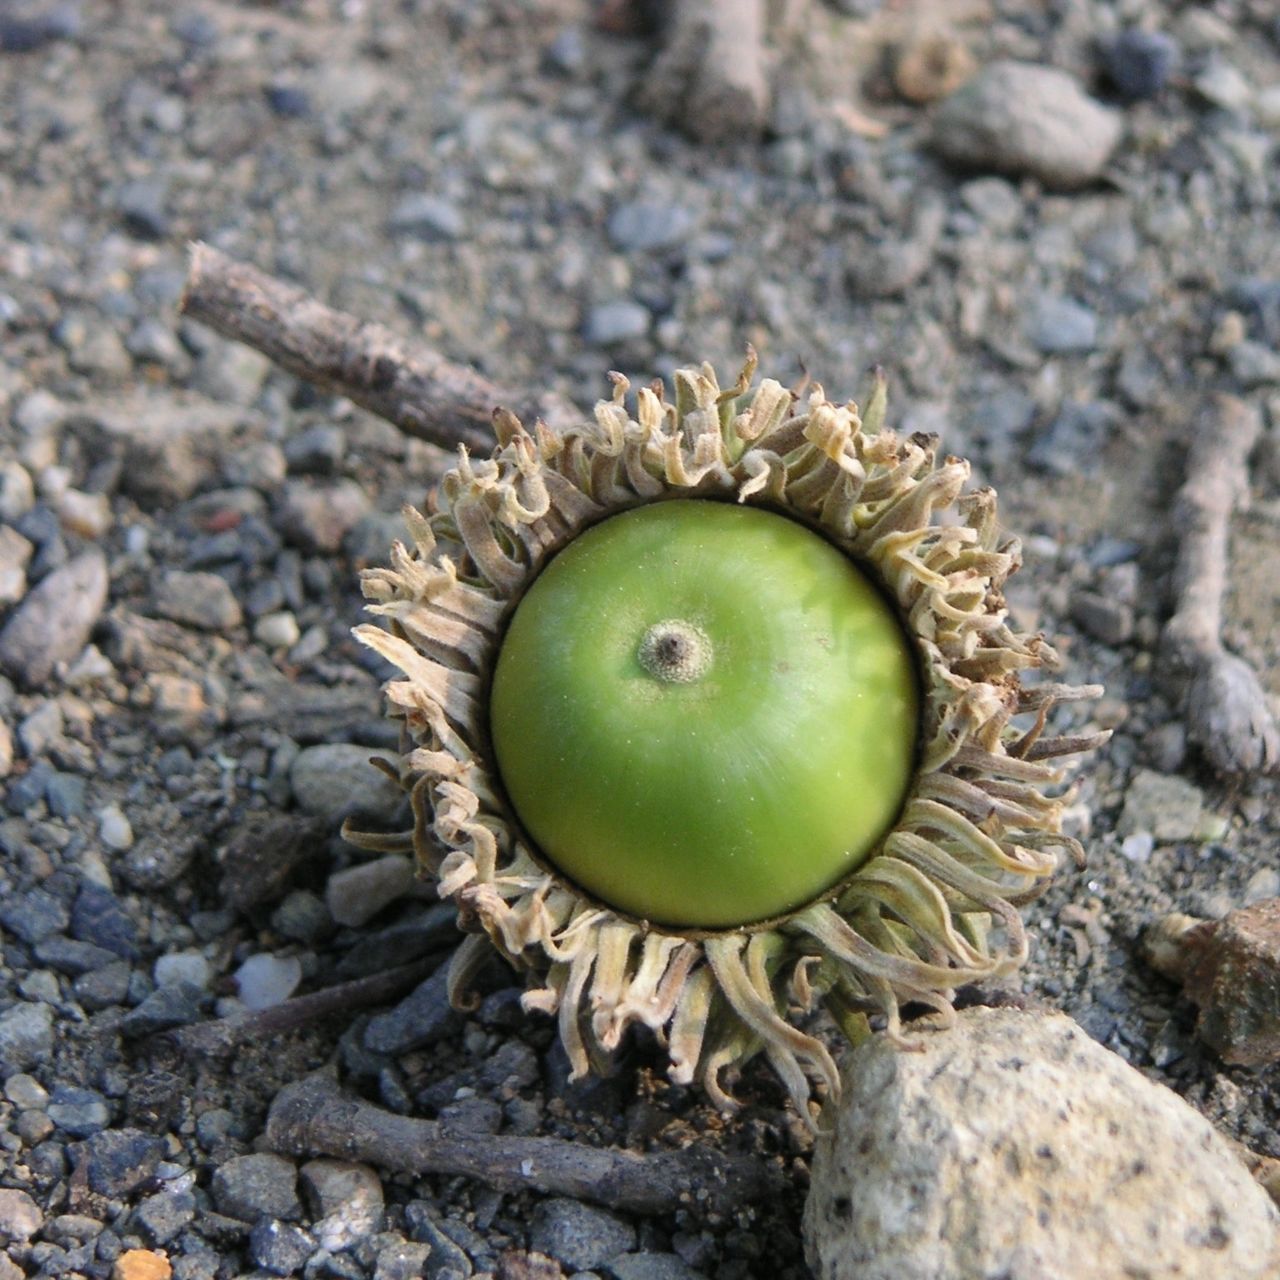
x=223, y=1036
x=411, y=385
x=1225, y=706
x=314, y=1117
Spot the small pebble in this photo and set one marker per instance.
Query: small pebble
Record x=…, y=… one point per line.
x=266, y=980
x=17, y=491
x=613, y=322
x=188, y=967
x=277, y=630
x=579, y=1236
x=202, y=600
x=114, y=829
x=25, y=1092
x=334, y=779
x=646, y=225
x=346, y=1199
x=54, y=622
x=1139, y=63
x=428, y=217
x=1138, y=847
x=257, y=1186
x=26, y=1036
x=20, y=1216
x=1021, y=118
x=1061, y=326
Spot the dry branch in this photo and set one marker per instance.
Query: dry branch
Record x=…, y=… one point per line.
x=314, y=1117
x=412, y=385
x=710, y=77
x=224, y=1035
x=1225, y=706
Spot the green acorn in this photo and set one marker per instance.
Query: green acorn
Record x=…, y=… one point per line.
x=711, y=712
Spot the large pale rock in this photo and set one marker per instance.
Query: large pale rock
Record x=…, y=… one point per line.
x=1016, y=1147
x=1020, y=118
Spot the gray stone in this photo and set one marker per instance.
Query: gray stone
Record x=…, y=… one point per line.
x=201, y=600
x=181, y=966
x=266, y=980
x=317, y=450
x=20, y=1216
x=650, y=1266
x=116, y=1162
x=40, y=729
x=400, y=1260
x=424, y=1017
x=277, y=630
x=1139, y=63
x=318, y=516
x=34, y=915
x=302, y=917
x=17, y=492
x=143, y=208
x=54, y=622
x=1224, y=85
x=98, y=916
x=230, y=373
x=256, y=1186
x=567, y=52
x=114, y=829
x=447, y=1260
x=280, y=1247
x=1060, y=326
x=72, y=956
x=25, y=1092
x=577, y=1235
x=102, y=988
x=15, y=555
x=995, y=201
x=996, y=420
x=163, y=1215
x=1015, y=1146
x=1025, y=119
x=78, y=1112
x=1171, y=808
x=1253, y=364
x=428, y=217
x=651, y=224
x=346, y=1199
x=26, y=1036
x=1073, y=441
x=156, y=343
x=614, y=322
x=1107, y=620
x=335, y=779
x=65, y=794
x=177, y=1005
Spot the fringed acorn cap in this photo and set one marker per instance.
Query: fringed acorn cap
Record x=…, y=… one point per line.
x=934, y=907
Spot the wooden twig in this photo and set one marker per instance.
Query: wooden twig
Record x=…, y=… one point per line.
x=710, y=78
x=224, y=1036
x=1225, y=706
x=412, y=385
x=314, y=1117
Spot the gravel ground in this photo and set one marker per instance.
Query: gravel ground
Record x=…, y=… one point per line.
x=474, y=173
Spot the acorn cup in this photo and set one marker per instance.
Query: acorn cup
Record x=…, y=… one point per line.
x=714, y=713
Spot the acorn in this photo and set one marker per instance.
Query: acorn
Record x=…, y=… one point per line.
x=713, y=712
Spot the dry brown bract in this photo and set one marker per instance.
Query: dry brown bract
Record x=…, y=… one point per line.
x=936, y=907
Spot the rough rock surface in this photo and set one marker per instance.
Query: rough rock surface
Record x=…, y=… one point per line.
x=1026, y=119
x=1015, y=1146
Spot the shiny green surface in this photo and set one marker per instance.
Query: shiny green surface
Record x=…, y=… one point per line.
x=738, y=796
